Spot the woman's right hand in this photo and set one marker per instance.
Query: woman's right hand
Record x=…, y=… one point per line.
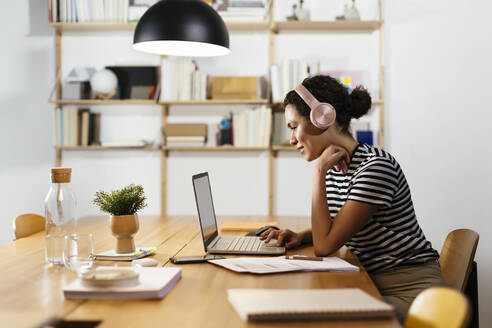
x=284, y=236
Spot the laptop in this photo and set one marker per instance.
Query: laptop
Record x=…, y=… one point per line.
x=225, y=244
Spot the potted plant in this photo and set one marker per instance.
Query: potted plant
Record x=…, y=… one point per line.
x=123, y=206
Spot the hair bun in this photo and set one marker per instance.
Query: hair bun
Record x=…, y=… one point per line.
x=360, y=102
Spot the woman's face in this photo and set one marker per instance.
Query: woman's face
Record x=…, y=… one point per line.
x=308, y=139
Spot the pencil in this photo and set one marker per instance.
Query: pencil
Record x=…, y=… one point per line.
x=305, y=258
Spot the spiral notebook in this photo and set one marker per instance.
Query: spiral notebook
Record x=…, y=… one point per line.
x=308, y=304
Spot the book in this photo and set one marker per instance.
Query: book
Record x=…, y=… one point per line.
x=111, y=255
x=84, y=127
x=153, y=283
x=94, y=128
x=244, y=226
x=186, y=141
x=296, y=304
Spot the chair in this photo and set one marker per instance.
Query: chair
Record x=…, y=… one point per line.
x=27, y=224
x=438, y=307
x=457, y=256
x=458, y=268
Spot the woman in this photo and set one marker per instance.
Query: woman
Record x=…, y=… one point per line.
x=360, y=197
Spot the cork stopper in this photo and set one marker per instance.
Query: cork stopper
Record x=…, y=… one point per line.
x=61, y=174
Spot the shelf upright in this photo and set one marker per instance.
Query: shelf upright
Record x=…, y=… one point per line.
x=382, y=74
x=272, y=153
x=164, y=155
x=58, y=36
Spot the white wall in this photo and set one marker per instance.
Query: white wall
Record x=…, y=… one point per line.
x=26, y=153
x=437, y=117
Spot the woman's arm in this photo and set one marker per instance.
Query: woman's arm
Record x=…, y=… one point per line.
x=328, y=236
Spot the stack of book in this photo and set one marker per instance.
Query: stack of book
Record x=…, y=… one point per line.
x=244, y=10
x=251, y=127
x=82, y=11
x=181, y=79
x=185, y=135
x=76, y=127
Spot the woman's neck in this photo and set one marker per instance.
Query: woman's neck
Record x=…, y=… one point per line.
x=347, y=141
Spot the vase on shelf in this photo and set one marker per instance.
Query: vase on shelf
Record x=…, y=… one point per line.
x=351, y=13
x=302, y=13
x=124, y=227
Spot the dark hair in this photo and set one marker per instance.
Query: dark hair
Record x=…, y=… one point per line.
x=327, y=89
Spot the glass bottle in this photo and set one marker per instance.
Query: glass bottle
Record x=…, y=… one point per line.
x=60, y=206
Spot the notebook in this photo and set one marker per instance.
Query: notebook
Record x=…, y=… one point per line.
x=213, y=243
x=309, y=304
x=153, y=283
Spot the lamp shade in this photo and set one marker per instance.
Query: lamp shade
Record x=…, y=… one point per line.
x=182, y=28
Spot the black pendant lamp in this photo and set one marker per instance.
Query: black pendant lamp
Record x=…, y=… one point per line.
x=182, y=28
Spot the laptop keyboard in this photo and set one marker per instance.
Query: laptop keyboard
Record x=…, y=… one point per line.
x=240, y=243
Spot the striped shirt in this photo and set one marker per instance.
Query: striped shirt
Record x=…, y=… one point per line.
x=392, y=236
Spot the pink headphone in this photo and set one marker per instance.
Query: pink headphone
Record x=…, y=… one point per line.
x=322, y=114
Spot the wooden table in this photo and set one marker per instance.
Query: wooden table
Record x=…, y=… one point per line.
x=31, y=291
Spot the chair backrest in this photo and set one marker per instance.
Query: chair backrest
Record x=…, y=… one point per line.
x=457, y=256
x=438, y=307
x=27, y=224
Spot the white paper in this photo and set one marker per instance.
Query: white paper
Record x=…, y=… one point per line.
x=263, y=265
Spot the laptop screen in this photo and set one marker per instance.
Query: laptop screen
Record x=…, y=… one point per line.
x=205, y=207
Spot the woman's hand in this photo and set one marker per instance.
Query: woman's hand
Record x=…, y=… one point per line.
x=289, y=237
x=334, y=156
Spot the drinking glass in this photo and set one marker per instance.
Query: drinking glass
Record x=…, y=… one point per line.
x=78, y=252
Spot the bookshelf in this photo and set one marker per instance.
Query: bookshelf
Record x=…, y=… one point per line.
x=273, y=28
x=96, y=148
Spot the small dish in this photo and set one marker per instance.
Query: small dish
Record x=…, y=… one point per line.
x=110, y=277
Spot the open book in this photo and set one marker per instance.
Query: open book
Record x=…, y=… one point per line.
x=289, y=304
x=153, y=283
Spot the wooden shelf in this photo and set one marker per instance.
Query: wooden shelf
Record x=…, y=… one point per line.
x=94, y=26
x=276, y=148
x=248, y=26
x=340, y=25
x=375, y=102
x=106, y=148
x=215, y=148
x=151, y=102
x=101, y=26
x=182, y=102
x=179, y=148
x=215, y=102
x=104, y=102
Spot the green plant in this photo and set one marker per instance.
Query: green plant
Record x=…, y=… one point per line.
x=301, y=2
x=129, y=200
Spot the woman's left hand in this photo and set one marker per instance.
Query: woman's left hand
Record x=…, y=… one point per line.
x=334, y=156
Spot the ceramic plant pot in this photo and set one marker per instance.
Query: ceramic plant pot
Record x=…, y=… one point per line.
x=123, y=228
